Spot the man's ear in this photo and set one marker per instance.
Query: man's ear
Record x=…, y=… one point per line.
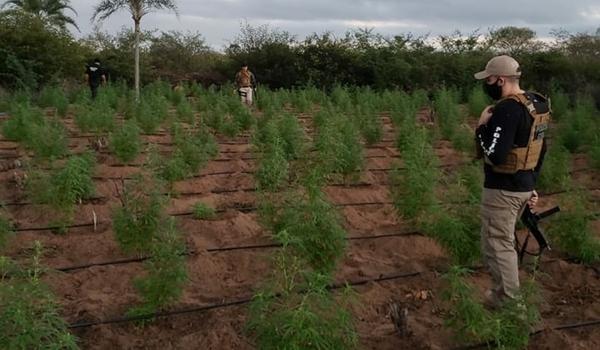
x=501, y=81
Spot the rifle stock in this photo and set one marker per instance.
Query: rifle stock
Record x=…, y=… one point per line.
x=531, y=220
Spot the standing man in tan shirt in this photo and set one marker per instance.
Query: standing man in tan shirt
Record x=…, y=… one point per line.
x=245, y=83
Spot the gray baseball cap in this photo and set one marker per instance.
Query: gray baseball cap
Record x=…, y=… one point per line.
x=505, y=66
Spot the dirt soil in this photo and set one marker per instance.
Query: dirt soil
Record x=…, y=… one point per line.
x=571, y=292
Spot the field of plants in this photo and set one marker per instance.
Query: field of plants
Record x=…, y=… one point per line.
x=339, y=220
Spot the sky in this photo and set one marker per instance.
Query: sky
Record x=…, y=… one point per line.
x=219, y=20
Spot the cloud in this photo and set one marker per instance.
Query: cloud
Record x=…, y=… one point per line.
x=219, y=20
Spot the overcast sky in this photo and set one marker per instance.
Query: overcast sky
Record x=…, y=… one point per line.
x=219, y=20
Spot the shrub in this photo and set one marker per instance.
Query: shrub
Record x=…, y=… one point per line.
x=292, y=136
x=29, y=317
x=339, y=148
x=447, y=112
x=6, y=231
x=413, y=188
x=63, y=188
x=125, y=142
x=554, y=175
x=98, y=117
x=478, y=100
x=273, y=170
x=571, y=230
x=166, y=274
x=203, y=211
x=22, y=119
x=298, y=314
x=311, y=228
x=185, y=112
x=507, y=328
x=560, y=104
x=136, y=221
x=52, y=96
x=577, y=129
x=48, y=140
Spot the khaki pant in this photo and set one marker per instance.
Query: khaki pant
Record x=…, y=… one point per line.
x=499, y=213
x=246, y=95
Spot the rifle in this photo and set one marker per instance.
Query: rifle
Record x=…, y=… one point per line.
x=531, y=220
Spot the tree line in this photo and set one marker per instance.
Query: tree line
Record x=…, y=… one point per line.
x=36, y=49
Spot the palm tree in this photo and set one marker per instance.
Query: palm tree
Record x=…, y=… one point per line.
x=48, y=10
x=138, y=9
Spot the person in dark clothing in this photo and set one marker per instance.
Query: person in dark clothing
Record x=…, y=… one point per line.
x=95, y=75
x=510, y=137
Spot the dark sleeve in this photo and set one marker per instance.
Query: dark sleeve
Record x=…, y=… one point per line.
x=497, y=138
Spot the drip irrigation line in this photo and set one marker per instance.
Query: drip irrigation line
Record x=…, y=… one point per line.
x=193, y=252
x=243, y=209
x=237, y=302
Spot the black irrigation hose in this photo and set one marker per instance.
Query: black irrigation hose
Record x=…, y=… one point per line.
x=241, y=301
x=494, y=344
x=243, y=209
x=190, y=253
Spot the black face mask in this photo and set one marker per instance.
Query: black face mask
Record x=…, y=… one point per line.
x=494, y=90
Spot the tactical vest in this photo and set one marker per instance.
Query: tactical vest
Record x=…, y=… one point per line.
x=245, y=79
x=526, y=158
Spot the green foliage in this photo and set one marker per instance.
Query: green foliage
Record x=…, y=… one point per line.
x=137, y=220
x=297, y=312
x=64, y=187
x=456, y=231
x=559, y=104
x=413, y=188
x=48, y=140
x=571, y=230
x=98, y=117
x=125, y=142
x=507, y=328
x=273, y=170
x=369, y=123
x=311, y=228
x=185, y=112
x=192, y=151
x=203, y=211
x=447, y=112
x=555, y=175
x=339, y=147
x=292, y=136
x=577, y=128
x=151, y=111
x=22, y=119
x=478, y=100
x=166, y=276
x=52, y=96
x=6, y=231
x=595, y=153
x=29, y=316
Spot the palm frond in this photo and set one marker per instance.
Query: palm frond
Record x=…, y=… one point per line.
x=107, y=8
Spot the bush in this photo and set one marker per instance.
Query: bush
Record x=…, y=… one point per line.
x=413, y=188
x=458, y=232
x=47, y=141
x=6, y=231
x=185, y=112
x=311, y=228
x=125, y=142
x=22, y=119
x=339, y=147
x=136, y=221
x=203, y=211
x=63, y=188
x=52, y=96
x=166, y=276
x=447, y=112
x=507, y=328
x=297, y=314
x=98, y=117
x=478, y=100
x=555, y=173
x=29, y=316
x=571, y=230
x=273, y=170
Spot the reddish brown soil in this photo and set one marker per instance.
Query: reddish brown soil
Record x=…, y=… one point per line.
x=571, y=292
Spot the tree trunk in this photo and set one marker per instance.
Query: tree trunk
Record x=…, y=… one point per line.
x=137, y=60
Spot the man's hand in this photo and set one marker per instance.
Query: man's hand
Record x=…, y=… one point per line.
x=485, y=116
x=533, y=200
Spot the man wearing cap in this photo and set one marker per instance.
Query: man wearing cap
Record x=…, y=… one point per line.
x=245, y=83
x=510, y=137
x=95, y=75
